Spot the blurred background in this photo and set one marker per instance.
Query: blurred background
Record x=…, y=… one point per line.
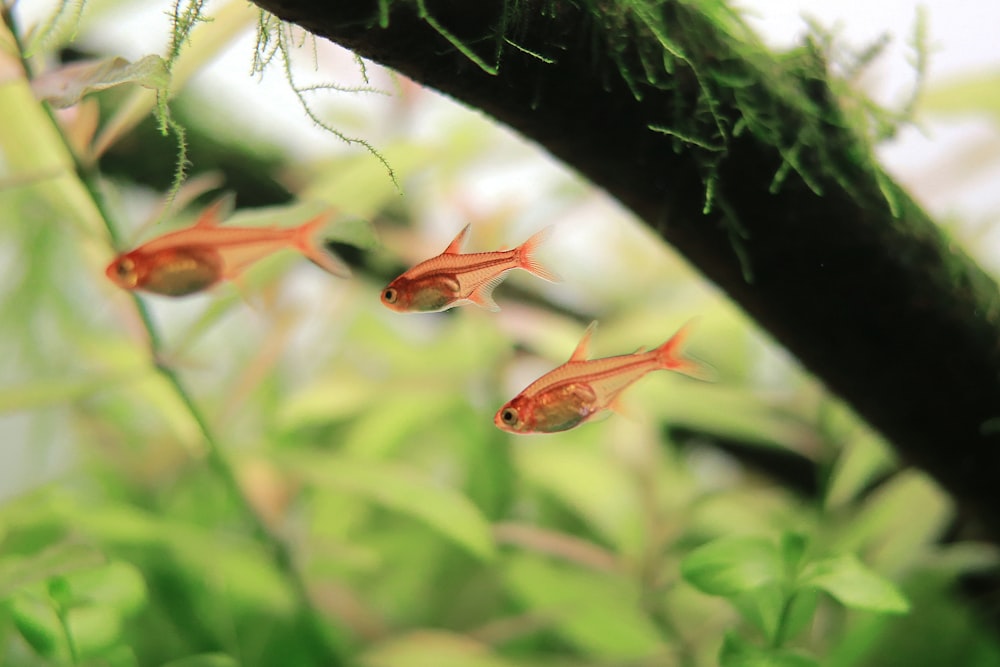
x=363, y=438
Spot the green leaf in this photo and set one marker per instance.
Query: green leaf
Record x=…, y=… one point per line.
x=60, y=592
x=598, y=613
x=402, y=490
x=576, y=472
x=118, y=585
x=793, y=548
x=732, y=565
x=19, y=571
x=66, y=85
x=854, y=585
x=38, y=624
x=800, y=613
x=762, y=607
x=94, y=629
x=328, y=399
x=737, y=652
x=887, y=526
x=239, y=567
x=204, y=660
x=428, y=648
x=864, y=457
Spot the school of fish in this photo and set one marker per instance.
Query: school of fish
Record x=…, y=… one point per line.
x=193, y=259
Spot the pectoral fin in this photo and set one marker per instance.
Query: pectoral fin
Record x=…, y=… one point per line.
x=483, y=295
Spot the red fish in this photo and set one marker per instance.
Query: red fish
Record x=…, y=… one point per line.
x=579, y=389
x=192, y=259
x=452, y=278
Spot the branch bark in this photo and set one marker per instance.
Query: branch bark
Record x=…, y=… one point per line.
x=839, y=264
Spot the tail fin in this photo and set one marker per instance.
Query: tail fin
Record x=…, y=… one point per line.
x=669, y=356
x=526, y=256
x=308, y=240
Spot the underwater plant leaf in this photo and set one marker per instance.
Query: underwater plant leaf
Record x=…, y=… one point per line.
x=855, y=585
x=402, y=490
x=737, y=652
x=94, y=628
x=204, y=660
x=732, y=565
x=65, y=86
x=595, y=611
x=427, y=648
x=18, y=571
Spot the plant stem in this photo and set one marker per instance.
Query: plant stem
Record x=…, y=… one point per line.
x=330, y=649
x=779, y=632
x=70, y=644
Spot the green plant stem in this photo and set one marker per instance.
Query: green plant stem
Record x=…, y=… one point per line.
x=278, y=551
x=779, y=632
x=74, y=657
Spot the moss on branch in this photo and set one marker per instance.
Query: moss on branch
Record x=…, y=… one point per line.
x=746, y=163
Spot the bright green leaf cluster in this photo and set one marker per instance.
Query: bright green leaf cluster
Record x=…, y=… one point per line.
x=774, y=589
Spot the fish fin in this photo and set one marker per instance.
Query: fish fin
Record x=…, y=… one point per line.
x=619, y=407
x=581, y=351
x=217, y=211
x=483, y=295
x=669, y=357
x=308, y=240
x=526, y=256
x=254, y=301
x=455, y=247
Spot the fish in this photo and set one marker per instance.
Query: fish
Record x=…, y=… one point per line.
x=581, y=388
x=195, y=258
x=453, y=278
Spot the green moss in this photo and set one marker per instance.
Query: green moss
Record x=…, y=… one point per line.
x=790, y=101
x=275, y=40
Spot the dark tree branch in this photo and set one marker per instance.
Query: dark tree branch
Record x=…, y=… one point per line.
x=869, y=295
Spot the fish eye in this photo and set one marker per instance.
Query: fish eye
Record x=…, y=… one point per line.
x=508, y=416
x=125, y=267
x=390, y=295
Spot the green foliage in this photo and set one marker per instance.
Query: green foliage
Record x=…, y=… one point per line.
x=284, y=472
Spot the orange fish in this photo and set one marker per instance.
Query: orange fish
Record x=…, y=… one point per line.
x=452, y=278
x=192, y=259
x=579, y=389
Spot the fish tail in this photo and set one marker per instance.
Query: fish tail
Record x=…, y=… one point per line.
x=526, y=256
x=308, y=240
x=669, y=357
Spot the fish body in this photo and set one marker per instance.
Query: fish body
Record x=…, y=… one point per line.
x=192, y=259
x=453, y=278
x=581, y=388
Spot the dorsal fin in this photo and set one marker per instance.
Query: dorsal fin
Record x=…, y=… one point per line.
x=580, y=353
x=455, y=247
x=216, y=212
